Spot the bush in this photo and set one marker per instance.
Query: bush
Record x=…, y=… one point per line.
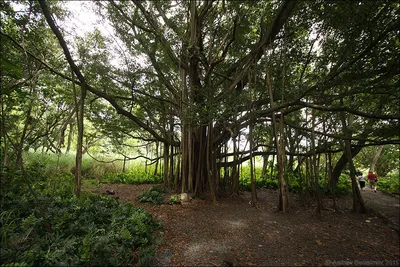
x=390, y=183
x=92, y=230
x=154, y=195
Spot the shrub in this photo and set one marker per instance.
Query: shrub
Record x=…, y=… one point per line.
x=390, y=183
x=92, y=230
x=154, y=195
x=174, y=200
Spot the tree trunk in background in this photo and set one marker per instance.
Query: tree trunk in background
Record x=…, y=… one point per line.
x=279, y=144
x=314, y=167
x=210, y=171
x=358, y=203
x=79, y=147
x=124, y=165
x=200, y=160
x=331, y=183
x=191, y=161
x=4, y=134
x=354, y=150
x=166, y=161
x=177, y=173
x=300, y=175
x=341, y=163
x=157, y=154
x=252, y=178
x=70, y=134
x=265, y=158
x=375, y=159
x=235, y=168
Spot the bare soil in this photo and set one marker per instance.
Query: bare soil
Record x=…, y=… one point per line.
x=233, y=233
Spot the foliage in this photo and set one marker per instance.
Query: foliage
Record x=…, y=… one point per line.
x=92, y=230
x=174, y=200
x=343, y=186
x=154, y=195
x=131, y=177
x=388, y=161
x=390, y=183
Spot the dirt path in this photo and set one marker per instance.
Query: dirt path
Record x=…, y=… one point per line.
x=387, y=206
x=232, y=233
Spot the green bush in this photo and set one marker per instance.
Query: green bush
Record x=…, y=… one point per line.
x=154, y=195
x=390, y=183
x=174, y=200
x=90, y=231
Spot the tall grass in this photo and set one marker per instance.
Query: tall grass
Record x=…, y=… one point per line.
x=65, y=163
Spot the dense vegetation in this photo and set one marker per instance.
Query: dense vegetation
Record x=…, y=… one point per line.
x=44, y=224
x=205, y=97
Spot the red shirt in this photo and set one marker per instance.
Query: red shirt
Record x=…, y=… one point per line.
x=371, y=176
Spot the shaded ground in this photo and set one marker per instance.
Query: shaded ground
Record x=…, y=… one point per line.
x=232, y=232
x=384, y=205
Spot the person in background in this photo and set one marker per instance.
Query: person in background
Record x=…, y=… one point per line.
x=372, y=180
x=361, y=180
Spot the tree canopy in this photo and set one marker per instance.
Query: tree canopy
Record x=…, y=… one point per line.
x=295, y=79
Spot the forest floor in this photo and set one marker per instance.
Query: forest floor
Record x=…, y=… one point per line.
x=233, y=233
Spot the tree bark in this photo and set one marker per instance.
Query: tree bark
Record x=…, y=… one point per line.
x=79, y=147
x=376, y=158
x=4, y=134
x=166, y=163
x=210, y=171
x=358, y=202
x=156, y=167
x=252, y=178
x=314, y=168
x=279, y=142
x=70, y=134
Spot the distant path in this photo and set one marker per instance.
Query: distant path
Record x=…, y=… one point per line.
x=384, y=205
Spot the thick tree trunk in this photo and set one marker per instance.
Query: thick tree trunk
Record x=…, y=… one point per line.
x=199, y=149
x=343, y=160
x=190, y=161
x=358, y=202
x=235, y=168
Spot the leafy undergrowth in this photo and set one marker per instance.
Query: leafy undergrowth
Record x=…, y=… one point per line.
x=155, y=195
x=390, y=183
x=343, y=187
x=90, y=231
